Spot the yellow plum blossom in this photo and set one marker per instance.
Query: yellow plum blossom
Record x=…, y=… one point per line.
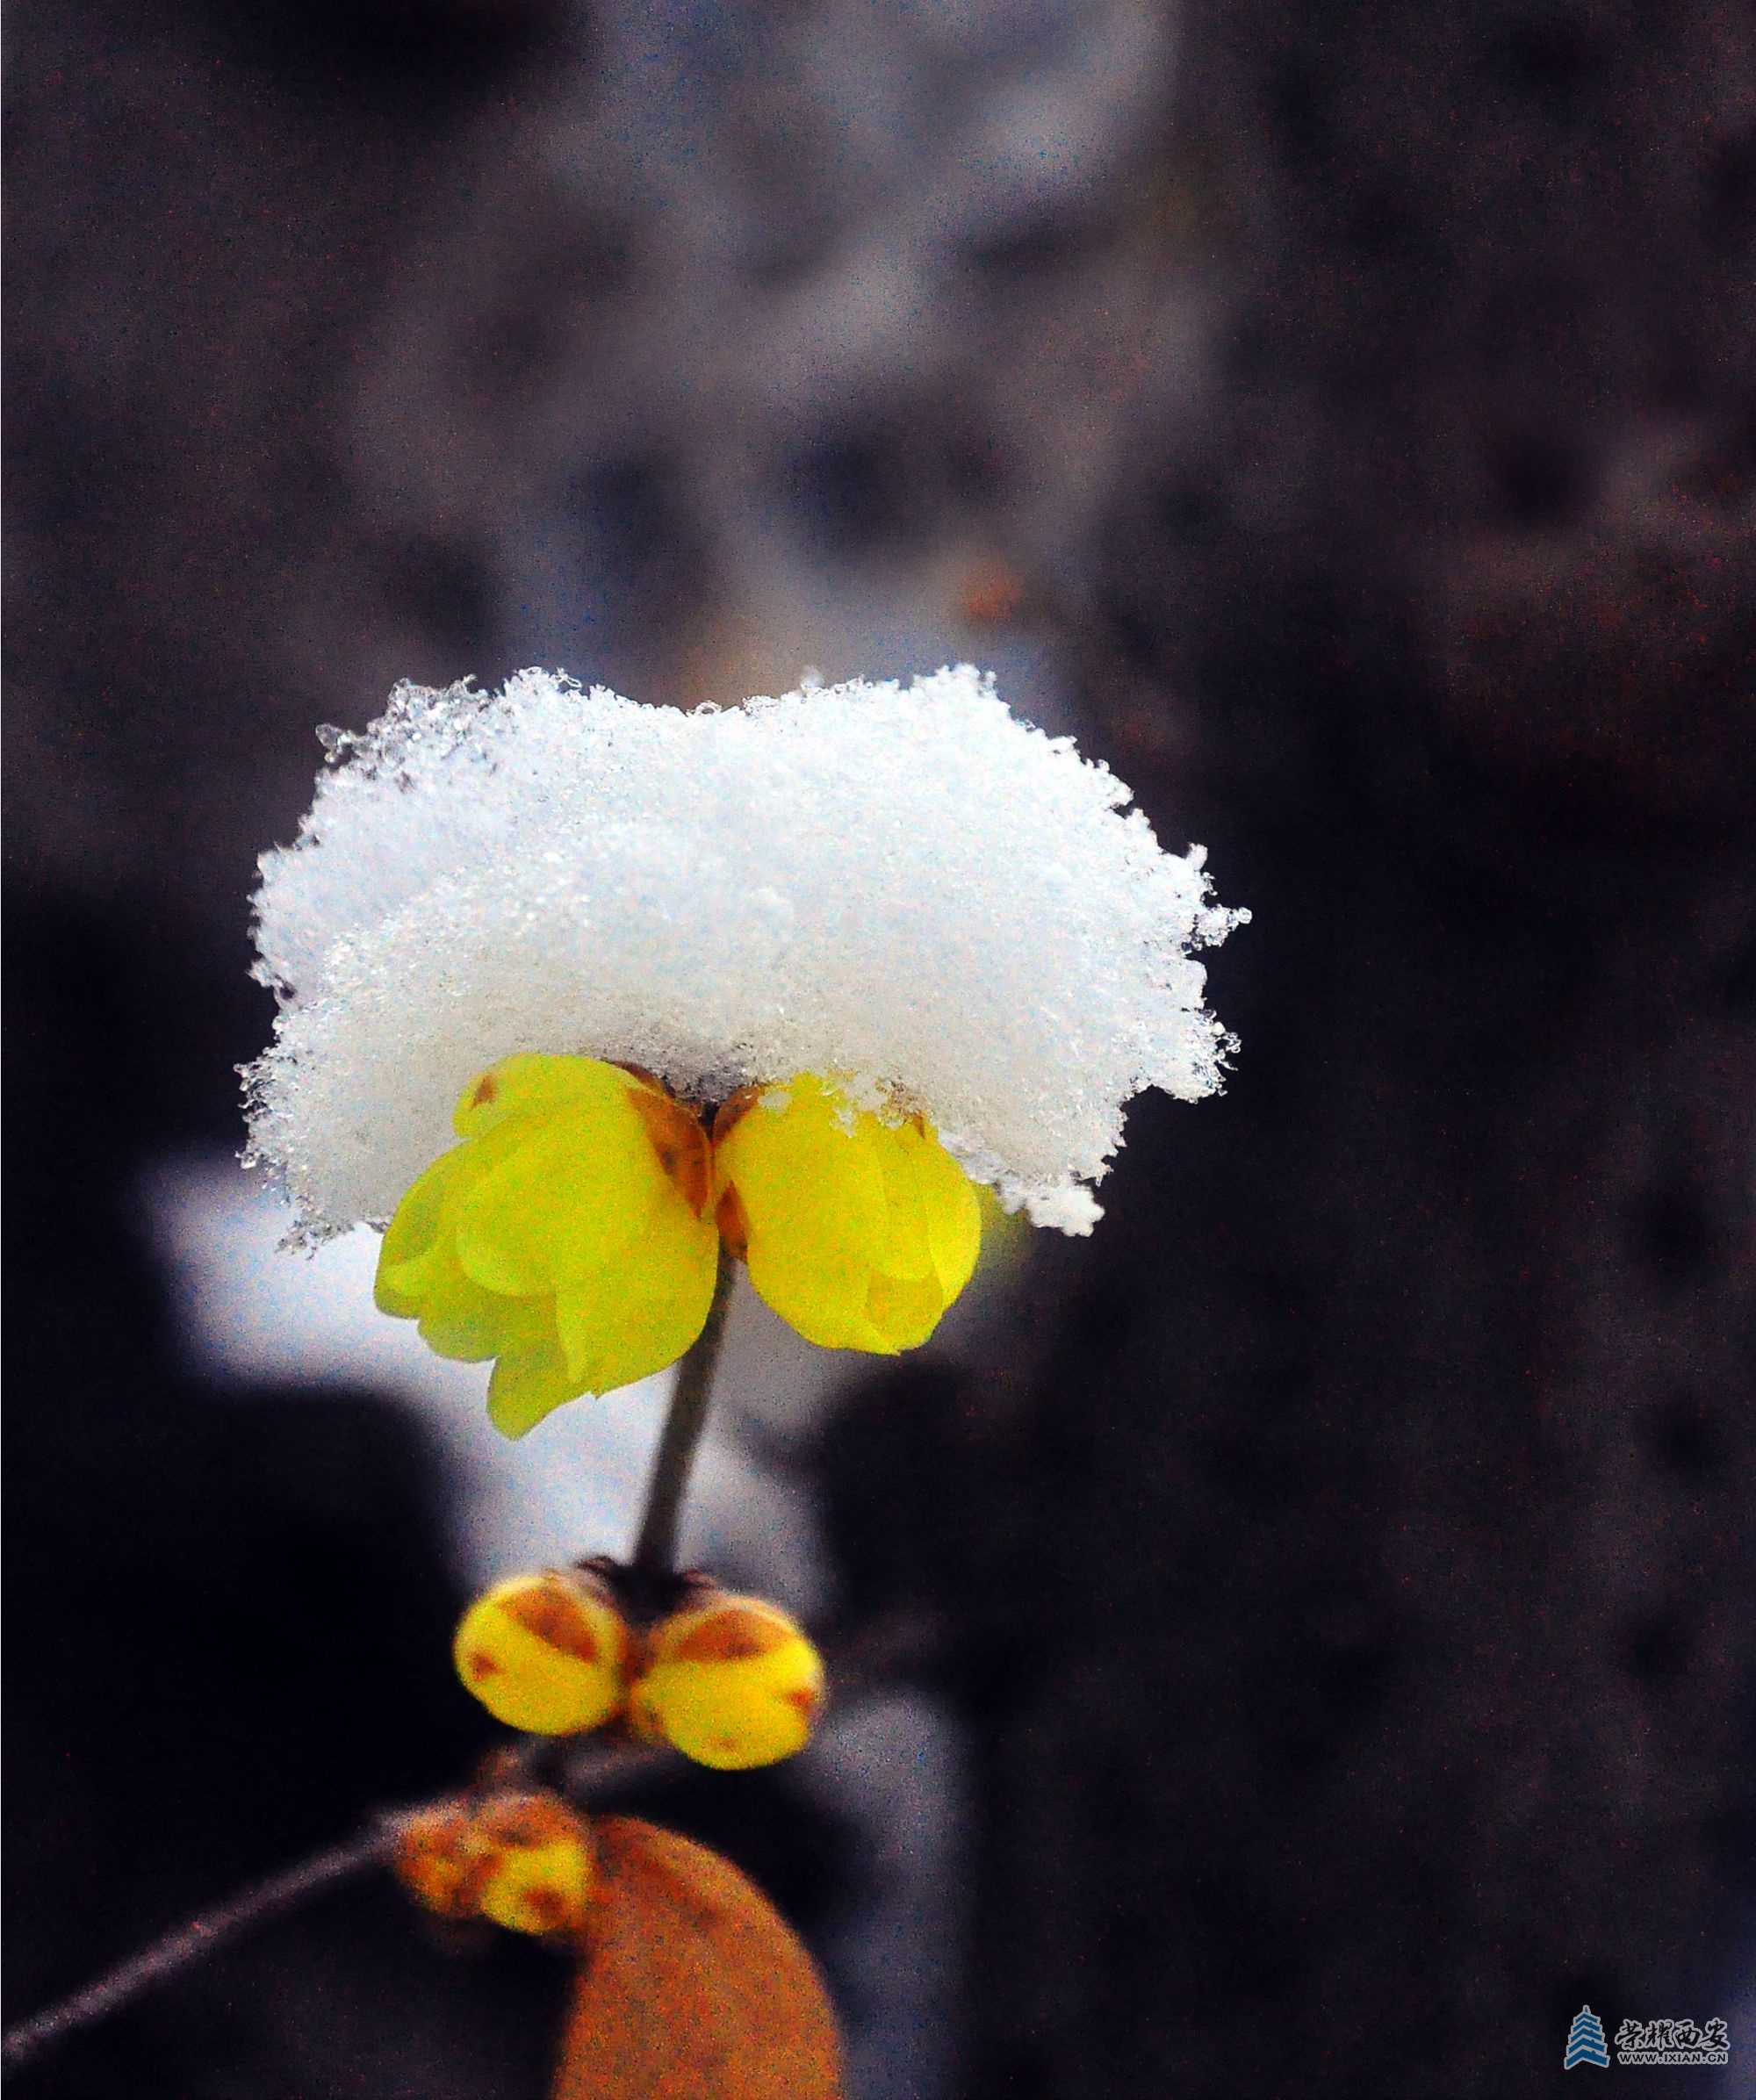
x=857, y=1232
x=568, y=1236
x=573, y=1235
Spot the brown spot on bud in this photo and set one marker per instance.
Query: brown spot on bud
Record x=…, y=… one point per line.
x=485, y=1091
x=808, y=1701
x=527, y=1821
x=554, y=1614
x=480, y=1664
x=676, y=1135
x=452, y=1857
x=732, y=1635
x=733, y=1222
x=546, y=1908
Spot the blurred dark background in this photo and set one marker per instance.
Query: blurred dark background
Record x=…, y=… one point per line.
x=1339, y=1566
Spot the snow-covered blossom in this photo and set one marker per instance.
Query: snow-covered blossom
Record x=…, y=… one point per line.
x=906, y=888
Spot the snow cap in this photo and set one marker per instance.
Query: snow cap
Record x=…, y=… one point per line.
x=905, y=887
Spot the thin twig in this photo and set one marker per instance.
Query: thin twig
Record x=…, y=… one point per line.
x=656, y=1548
x=190, y=1943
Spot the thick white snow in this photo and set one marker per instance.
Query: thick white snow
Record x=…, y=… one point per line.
x=906, y=887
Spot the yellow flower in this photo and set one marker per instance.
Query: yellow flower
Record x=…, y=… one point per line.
x=857, y=1232
x=567, y=1237
x=573, y=1235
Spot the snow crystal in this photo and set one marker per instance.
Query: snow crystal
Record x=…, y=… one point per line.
x=905, y=887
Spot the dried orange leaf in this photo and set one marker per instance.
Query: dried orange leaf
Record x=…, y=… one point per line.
x=691, y=1987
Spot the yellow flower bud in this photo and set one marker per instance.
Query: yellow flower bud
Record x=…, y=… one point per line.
x=858, y=1232
x=539, y=1865
x=568, y=1236
x=731, y=1682
x=546, y=1653
x=523, y=1860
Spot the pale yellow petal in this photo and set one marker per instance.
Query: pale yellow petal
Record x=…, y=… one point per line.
x=469, y=1324
x=536, y=1085
x=859, y=1231
x=528, y=1382
x=624, y=1323
x=812, y=1195
x=565, y=1202
x=411, y=1238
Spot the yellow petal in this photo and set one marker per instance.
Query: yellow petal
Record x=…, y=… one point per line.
x=858, y=1232
x=565, y=1202
x=420, y=1276
x=904, y=1310
x=418, y=1258
x=953, y=1208
x=531, y=1085
x=469, y=1324
x=529, y=1381
x=410, y=1239
x=813, y=1207
x=625, y=1323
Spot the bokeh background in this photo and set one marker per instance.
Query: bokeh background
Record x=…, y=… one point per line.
x=1326, y=1596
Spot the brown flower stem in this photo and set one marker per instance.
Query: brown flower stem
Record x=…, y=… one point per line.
x=656, y=1548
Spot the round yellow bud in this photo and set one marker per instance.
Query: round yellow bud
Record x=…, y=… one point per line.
x=731, y=1682
x=546, y=1653
x=523, y=1860
x=537, y=1874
